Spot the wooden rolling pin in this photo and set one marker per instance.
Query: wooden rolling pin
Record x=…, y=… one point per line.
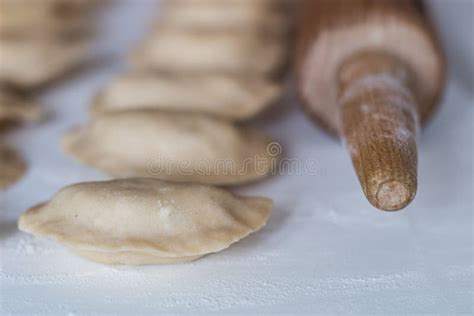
x=371, y=71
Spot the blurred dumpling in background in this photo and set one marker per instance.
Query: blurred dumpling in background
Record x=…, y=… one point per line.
x=202, y=64
x=171, y=50
x=12, y=166
x=27, y=17
x=16, y=108
x=30, y=63
x=263, y=16
x=244, y=38
x=217, y=57
x=42, y=40
x=234, y=98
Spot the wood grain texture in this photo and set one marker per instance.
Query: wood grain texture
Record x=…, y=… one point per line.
x=380, y=123
x=370, y=71
x=332, y=31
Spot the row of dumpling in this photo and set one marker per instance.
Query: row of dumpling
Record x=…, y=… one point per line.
x=216, y=57
x=40, y=40
x=206, y=64
x=15, y=109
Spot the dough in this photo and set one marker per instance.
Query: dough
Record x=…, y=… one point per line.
x=253, y=16
x=37, y=17
x=33, y=62
x=172, y=146
x=235, y=98
x=16, y=108
x=12, y=166
x=145, y=221
x=175, y=51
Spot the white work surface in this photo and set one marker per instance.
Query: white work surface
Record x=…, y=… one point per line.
x=324, y=250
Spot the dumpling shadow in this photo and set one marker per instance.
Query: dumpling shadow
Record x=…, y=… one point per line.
x=277, y=219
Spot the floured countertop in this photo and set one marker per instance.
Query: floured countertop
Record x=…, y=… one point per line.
x=324, y=250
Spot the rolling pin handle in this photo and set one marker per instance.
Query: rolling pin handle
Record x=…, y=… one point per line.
x=379, y=124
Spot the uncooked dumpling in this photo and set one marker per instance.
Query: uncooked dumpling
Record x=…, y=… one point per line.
x=16, y=108
x=253, y=16
x=171, y=50
x=145, y=221
x=234, y=98
x=12, y=166
x=172, y=146
x=33, y=62
x=21, y=17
